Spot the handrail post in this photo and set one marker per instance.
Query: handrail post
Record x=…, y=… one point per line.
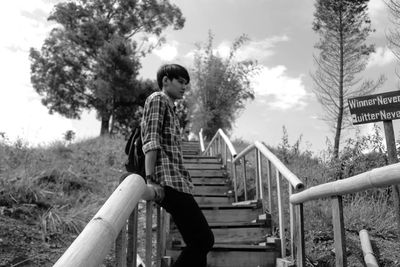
x=300, y=252
x=292, y=224
x=244, y=178
x=281, y=216
x=120, y=248
x=226, y=155
x=259, y=167
x=220, y=147
x=149, y=232
x=269, y=184
x=256, y=179
x=121, y=241
x=234, y=179
x=132, y=237
x=161, y=235
x=338, y=231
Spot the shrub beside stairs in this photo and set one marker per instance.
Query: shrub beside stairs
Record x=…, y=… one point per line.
x=240, y=229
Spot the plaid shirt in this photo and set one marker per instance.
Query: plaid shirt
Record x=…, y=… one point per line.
x=161, y=132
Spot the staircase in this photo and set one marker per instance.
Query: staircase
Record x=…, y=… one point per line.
x=240, y=229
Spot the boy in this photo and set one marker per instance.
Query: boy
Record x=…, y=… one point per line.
x=164, y=166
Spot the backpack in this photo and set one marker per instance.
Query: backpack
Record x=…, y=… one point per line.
x=133, y=149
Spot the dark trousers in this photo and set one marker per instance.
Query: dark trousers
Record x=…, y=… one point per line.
x=192, y=225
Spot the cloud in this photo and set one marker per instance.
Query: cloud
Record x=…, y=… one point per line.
x=223, y=49
x=382, y=56
x=24, y=24
x=168, y=51
x=375, y=8
x=22, y=115
x=276, y=89
x=252, y=50
x=261, y=49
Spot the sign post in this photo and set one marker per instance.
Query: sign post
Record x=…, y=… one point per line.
x=381, y=107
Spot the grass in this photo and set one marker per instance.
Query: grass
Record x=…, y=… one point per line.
x=65, y=183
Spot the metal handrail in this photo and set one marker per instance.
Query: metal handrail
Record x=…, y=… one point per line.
x=220, y=133
x=215, y=147
x=201, y=139
x=286, y=173
x=95, y=241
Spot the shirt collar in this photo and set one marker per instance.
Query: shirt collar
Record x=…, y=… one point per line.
x=171, y=102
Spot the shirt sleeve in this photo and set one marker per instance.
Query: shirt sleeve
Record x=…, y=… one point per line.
x=152, y=125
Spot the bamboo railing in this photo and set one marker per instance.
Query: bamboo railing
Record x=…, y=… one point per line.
x=379, y=177
x=369, y=257
x=95, y=241
x=221, y=145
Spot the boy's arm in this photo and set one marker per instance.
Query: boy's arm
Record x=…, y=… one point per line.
x=153, y=116
x=150, y=162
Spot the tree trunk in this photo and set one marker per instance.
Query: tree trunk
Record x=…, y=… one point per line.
x=105, y=123
x=340, y=110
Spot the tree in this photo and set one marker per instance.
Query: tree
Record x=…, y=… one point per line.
x=128, y=114
x=343, y=26
x=394, y=33
x=220, y=87
x=91, y=60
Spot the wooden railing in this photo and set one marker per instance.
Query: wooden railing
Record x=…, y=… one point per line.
x=384, y=176
x=95, y=241
x=221, y=145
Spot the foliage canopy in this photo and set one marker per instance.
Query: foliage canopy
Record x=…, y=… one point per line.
x=91, y=60
x=220, y=87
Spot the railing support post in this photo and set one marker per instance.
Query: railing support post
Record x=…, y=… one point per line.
x=149, y=232
x=300, y=250
x=281, y=216
x=256, y=179
x=234, y=179
x=244, y=178
x=259, y=170
x=132, y=238
x=120, y=248
x=292, y=224
x=226, y=155
x=269, y=184
x=338, y=231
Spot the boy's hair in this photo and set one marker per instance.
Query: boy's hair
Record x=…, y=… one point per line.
x=172, y=71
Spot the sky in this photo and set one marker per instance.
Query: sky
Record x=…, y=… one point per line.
x=281, y=41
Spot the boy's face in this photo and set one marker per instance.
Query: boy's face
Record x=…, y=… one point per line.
x=175, y=88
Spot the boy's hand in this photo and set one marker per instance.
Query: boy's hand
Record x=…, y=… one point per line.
x=158, y=191
x=153, y=178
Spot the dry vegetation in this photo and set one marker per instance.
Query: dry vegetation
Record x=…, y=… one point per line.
x=47, y=195
x=371, y=210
